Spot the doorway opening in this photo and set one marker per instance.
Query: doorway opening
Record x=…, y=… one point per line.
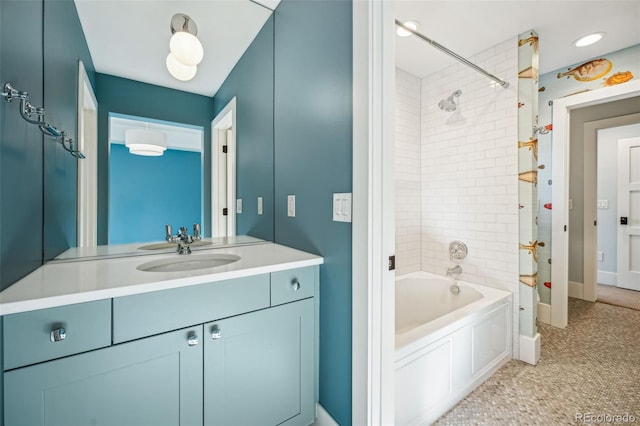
x=564, y=111
x=600, y=204
x=614, y=199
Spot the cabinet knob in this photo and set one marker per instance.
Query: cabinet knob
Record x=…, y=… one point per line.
x=295, y=284
x=58, y=335
x=216, y=333
x=192, y=339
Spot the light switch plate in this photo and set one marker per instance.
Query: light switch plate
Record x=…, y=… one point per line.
x=291, y=206
x=239, y=205
x=342, y=207
x=600, y=256
x=570, y=204
x=260, y=205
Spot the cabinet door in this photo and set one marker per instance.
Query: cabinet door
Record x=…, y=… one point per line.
x=259, y=367
x=154, y=381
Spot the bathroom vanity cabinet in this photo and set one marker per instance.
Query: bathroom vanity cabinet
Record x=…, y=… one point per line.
x=233, y=352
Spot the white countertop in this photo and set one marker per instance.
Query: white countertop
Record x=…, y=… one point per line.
x=65, y=283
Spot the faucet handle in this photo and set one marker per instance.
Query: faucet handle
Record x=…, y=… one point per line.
x=196, y=230
x=168, y=231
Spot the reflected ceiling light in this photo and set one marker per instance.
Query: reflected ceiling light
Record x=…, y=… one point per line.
x=186, y=49
x=179, y=70
x=414, y=25
x=588, y=39
x=145, y=142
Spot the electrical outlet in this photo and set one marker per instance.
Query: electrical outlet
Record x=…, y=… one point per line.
x=600, y=256
x=602, y=204
x=570, y=204
x=239, y=205
x=260, y=205
x=291, y=206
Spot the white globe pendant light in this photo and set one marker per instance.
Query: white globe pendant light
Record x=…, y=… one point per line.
x=186, y=48
x=178, y=70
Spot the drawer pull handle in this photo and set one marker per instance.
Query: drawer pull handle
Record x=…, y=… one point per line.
x=295, y=284
x=216, y=333
x=58, y=335
x=192, y=339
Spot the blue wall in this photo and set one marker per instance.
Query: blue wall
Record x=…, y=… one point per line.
x=64, y=45
x=251, y=82
x=21, y=155
x=124, y=96
x=29, y=162
x=146, y=193
x=313, y=159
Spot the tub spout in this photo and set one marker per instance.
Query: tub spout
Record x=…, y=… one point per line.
x=456, y=270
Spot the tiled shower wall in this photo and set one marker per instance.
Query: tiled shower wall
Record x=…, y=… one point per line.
x=470, y=170
x=407, y=172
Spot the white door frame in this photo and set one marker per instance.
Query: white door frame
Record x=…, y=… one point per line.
x=560, y=190
x=224, y=121
x=590, y=212
x=373, y=231
x=87, y=193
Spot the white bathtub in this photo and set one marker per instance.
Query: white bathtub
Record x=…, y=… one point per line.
x=446, y=344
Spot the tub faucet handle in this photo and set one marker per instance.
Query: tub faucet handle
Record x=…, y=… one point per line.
x=457, y=250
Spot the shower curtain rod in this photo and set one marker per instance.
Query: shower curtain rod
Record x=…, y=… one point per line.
x=453, y=54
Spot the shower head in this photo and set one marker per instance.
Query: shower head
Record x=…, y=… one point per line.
x=449, y=104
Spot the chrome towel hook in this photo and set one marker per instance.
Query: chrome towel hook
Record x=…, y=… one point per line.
x=35, y=115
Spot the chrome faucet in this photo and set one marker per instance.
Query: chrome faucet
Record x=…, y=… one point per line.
x=456, y=270
x=182, y=239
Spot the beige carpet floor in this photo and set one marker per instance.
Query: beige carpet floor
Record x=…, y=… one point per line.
x=590, y=368
x=619, y=297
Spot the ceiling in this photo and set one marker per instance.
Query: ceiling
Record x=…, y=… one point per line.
x=130, y=38
x=470, y=27
x=135, y=44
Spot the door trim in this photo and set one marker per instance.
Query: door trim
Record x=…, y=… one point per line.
x=560, y=190
x=87, y=192
x=373, y=230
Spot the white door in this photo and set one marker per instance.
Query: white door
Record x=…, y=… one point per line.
x=629, y=213
x=230, y=182
x=223, y=172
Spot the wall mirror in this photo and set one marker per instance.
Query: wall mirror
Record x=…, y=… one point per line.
x=148, y=191
x=127, y=77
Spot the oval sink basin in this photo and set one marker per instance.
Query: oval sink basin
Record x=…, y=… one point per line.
x=162, y=246
x=188, y=263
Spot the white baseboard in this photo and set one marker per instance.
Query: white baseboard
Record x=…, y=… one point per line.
x=323, y=418
x=576, y=290
x=544, y=313
x=530, y=349
x=608, y=278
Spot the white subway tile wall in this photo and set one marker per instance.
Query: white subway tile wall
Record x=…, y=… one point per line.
x=407, y=173
x=470, y=169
